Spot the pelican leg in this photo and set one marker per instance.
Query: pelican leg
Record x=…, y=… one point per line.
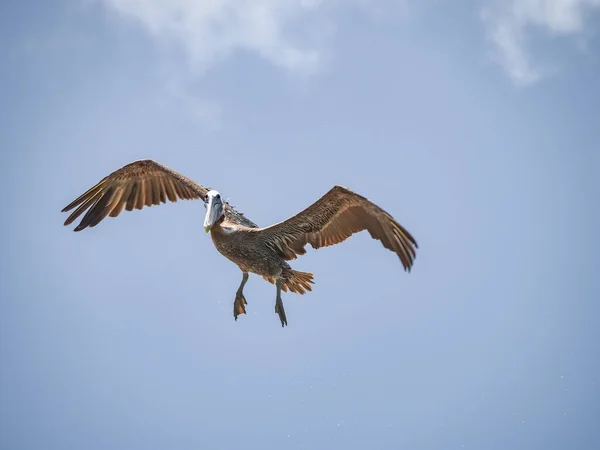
x=240, y=300
x=279, y=304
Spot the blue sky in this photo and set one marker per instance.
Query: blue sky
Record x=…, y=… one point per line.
x=474, y=123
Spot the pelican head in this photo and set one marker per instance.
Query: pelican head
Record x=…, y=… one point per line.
x=214, y=209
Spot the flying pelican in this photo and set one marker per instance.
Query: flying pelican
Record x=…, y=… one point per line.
x=263, y=251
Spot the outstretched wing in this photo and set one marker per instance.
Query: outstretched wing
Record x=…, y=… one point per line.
x=138, y=184
x=334, y=218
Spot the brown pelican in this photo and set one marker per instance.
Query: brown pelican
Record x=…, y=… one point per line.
x=264, y=251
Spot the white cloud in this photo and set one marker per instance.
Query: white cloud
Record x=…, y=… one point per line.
x=289, y=34
x=510, y=22
x=208, y=31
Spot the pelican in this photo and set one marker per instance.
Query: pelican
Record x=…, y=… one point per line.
x=332, y=219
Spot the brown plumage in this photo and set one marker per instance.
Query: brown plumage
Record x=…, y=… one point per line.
x=138, y=184
x=264, y=251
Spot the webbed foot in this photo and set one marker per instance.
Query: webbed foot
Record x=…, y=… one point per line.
x=239, y=305
x=280, y=311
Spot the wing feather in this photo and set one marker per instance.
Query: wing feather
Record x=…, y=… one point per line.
x=162, y=195
x=135, y=185
x=85, y=205
x=332, y=219
x=132, y=197
x=138, y=184
x=171, y=194
x=141, y=195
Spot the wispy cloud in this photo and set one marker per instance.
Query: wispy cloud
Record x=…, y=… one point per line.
x=292, y=35
x=209, y=31
x=510, y=24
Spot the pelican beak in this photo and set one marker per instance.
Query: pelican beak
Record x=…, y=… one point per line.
x=214, y=211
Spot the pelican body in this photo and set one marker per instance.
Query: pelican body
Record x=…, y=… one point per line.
x=262, y=251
